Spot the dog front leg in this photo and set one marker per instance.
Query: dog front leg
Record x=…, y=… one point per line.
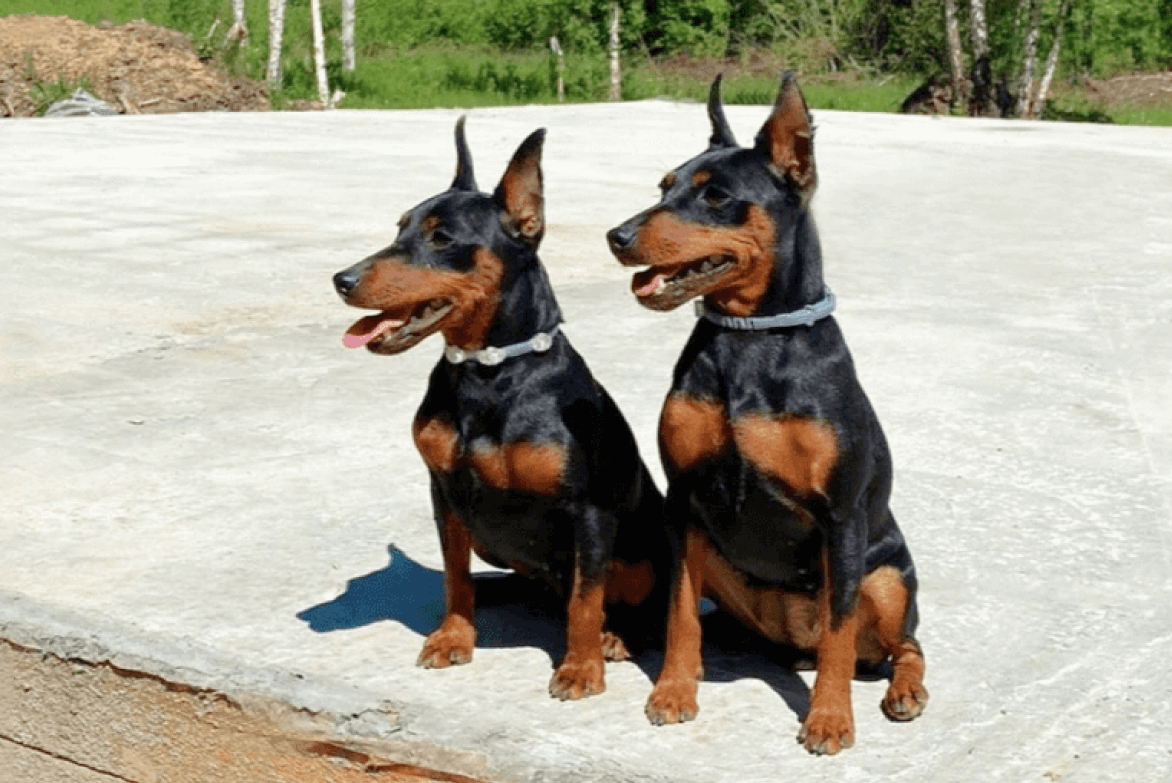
x=453, y=641
x=673, y=700
x=830, y=725
x=581, y=672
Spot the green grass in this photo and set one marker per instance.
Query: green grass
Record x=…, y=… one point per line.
x=846, y=93
x=439, y=76
x=1159, y=116
x=443, y=76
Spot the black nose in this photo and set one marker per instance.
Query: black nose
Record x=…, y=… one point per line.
x=345, y=282
x=621, y=238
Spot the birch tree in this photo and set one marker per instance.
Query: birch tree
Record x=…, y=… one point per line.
x=349, y=62
x=561, y=67
x=319, y=53
x=955, y=54
x=1025, y=84
x=616, y=90
x=1039, y=101
x=239, y=29
x=276, y=33
x=980, y=31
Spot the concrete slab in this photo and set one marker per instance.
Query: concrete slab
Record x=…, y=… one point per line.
x=196, y=474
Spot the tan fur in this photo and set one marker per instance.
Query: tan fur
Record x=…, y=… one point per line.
x=691, y=430
x=797, y=451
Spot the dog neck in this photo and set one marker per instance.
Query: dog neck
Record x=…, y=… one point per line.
x=526, y=307
x=797, y=272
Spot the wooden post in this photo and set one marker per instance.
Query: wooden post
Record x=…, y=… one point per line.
x=616, y=89
x=319, y=53
x=561, y=68
x=276, y=33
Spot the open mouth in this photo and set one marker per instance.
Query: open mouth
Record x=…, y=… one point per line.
x=391, y=331
x=665, y=288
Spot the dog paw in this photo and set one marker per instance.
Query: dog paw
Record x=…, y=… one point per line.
x=904, y=701
x=576, y=679
x=613, y=648
x=826, y=731
x=672, y=701
x=446, y=647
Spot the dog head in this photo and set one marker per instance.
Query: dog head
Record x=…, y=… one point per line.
x=454, y=255
x=728, y=219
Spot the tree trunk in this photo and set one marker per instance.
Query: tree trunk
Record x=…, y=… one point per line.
x=980, y=30
x=1025, y=86
x=557, y=50
x=349, y=62
x=616, y=90
x=1051, y=63
x=239, y=29
x=276, y=33
x=319, y=53
x=955, y=55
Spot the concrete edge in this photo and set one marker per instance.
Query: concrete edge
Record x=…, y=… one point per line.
x=305, y=704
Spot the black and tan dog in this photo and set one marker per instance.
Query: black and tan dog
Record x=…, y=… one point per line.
x=532, y=465
x=779, y=472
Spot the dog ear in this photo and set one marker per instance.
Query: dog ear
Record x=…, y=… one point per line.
x=722, y=135
x=465, y=178
x=520, y=194
x=787, y=139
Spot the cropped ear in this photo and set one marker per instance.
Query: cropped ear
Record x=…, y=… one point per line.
x=520, y=194
x=722, y=135
x=787, y=139
x=465, y=178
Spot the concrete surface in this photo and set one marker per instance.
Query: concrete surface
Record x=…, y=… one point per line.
x=196, y=475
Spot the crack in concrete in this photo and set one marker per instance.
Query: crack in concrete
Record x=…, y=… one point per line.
x=64, y=759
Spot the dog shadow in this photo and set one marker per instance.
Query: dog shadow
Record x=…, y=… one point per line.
x=513, y=611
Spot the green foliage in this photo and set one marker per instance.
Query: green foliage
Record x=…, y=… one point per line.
x=1110, y=36
x=409, y=23
x=905, y=36
x=581, y=26
x=697, y=27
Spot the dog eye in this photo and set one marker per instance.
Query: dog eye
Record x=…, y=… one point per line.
x=715, y=198
x=440, y=239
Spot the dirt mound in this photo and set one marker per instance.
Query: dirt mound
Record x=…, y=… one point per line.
x=1144, y=89
x=137, y=68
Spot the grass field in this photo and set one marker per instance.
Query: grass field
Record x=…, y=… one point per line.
x=444, y=75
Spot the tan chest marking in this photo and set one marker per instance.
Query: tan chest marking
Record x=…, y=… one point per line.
x=796, y=451
x=526, y=467
x=522, y=466
x=692, y=430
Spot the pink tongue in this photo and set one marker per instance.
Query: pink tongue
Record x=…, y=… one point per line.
x=655, y=284
x=355, y=338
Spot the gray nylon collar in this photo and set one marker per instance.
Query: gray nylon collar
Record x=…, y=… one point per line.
x=492, y=356
x=807, y=316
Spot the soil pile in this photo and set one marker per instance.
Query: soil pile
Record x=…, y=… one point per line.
x=137, y=68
